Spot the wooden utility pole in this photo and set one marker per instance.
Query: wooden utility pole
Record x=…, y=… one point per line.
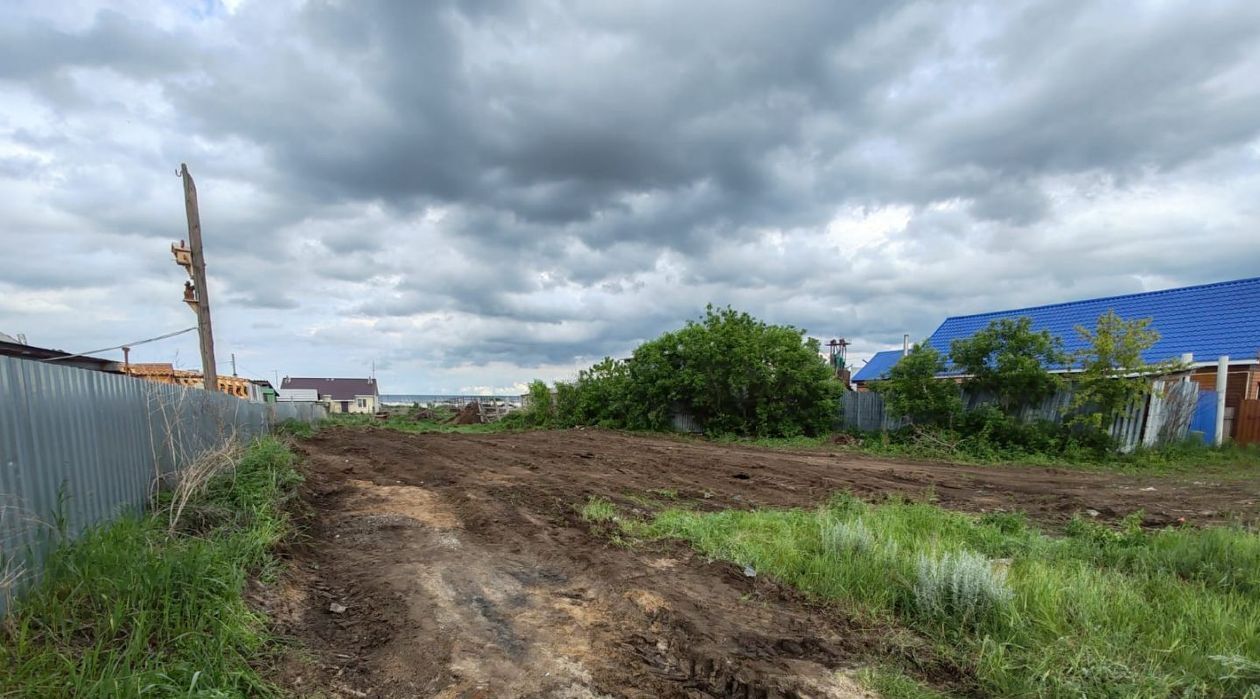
x=197, y=295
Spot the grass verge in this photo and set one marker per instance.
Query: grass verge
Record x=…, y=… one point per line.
x=1095, y=613
x=132, y=609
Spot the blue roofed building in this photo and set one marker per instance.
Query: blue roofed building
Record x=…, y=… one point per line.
x=1201, y=323
x=877, y=367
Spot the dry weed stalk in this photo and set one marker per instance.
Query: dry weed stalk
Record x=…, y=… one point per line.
x=191, y=480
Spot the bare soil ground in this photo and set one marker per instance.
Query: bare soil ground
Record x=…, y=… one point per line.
x=464, y=569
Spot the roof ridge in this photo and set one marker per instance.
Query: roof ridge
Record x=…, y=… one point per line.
x=1078, y=302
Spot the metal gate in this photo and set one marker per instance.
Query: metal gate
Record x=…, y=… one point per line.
x=1204, y=420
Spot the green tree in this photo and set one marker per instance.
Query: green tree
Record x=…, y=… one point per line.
x=912, y=389
x=1010, y=361
x=731, y=372
x=1113, y=375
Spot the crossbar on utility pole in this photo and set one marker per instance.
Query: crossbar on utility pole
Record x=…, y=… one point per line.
x=198, y=271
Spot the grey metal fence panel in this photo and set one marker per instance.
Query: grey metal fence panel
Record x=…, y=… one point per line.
x=80, y=447
x=866, y=411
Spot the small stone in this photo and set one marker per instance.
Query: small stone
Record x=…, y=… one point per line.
x=1148, y=489
x=749, y=572
x=337, y=608
x=1092, y=513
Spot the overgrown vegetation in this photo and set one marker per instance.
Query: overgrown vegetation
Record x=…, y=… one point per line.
x=1010, y=361
x=730, y=372
x=912, y=389
x=1098, y=612
x=154, y=606
x=1007, y=367
x=1113, y=373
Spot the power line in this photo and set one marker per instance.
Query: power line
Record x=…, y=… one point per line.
x=128, y=344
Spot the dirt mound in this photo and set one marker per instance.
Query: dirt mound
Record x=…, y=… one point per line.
x=470, y=414
x=424, y=415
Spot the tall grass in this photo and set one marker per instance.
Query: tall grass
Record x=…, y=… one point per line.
x=132, y=608
x=1096, y=613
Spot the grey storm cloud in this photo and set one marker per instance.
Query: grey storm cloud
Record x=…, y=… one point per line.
x=476, y=193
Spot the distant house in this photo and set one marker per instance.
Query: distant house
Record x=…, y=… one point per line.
x=16, y=347
x=1199, y=324
x=340, y=395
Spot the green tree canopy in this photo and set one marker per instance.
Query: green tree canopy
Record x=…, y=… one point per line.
x=912, y=389
x=1113, y=375
x=1011, y=362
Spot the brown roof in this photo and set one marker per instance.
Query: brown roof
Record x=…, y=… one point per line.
x=339, y=389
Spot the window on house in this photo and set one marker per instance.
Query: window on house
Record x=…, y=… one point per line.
x=363, y=402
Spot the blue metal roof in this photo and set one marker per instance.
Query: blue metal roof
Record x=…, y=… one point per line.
x=1209, y=320
x=878, y=366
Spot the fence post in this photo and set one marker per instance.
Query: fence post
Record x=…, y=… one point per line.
x=1222, y=380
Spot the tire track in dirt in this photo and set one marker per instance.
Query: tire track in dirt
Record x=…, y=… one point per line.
x=465, y=572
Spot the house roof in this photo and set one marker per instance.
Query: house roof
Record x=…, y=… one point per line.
x=877, y=367
x=1209, y=320
x=339, y=389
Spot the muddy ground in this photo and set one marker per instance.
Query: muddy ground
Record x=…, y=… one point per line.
x=464, y=569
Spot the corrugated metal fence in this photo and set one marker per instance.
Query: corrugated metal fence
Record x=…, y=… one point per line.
x=79, y=447
x=1161, y=418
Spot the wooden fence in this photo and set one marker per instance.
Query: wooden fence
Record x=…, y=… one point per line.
x=1247, y=421
x=1163, y=417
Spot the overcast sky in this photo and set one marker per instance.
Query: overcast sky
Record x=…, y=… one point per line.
x=475, y=194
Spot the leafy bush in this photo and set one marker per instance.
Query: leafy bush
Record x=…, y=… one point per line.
x=1011, y=362
x=912, y=389
x=1113, y=373
x=540, y=410
x=729, y=371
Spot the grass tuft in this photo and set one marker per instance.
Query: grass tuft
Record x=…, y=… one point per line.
x=132, y=608
x=598, y=509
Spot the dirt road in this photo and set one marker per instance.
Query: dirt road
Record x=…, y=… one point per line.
x=465, y=571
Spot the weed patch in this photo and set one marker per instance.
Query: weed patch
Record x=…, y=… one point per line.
x=598, y=509
x=138, y=608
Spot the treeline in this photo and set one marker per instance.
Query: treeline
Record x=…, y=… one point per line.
x=729, y=372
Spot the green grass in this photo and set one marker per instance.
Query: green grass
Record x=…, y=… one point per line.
x=128, y=609
x=1095, y=613
x=894, y=684
x=598, y=509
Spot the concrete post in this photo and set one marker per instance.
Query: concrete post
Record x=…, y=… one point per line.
x=1222, y=379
